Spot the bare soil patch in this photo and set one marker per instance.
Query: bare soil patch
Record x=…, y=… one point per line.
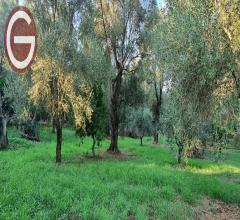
x=153, y=144
x=118, y=155
x=101, y=156
x=216, y=209
x=131, y=216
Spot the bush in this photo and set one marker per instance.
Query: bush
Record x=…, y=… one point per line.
x=236, y=141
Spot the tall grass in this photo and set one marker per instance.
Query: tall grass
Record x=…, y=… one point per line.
x=148, y=185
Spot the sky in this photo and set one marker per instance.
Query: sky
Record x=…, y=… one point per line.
x=161, y=2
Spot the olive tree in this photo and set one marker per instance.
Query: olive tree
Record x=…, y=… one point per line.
x=118, y=24
x=55, y=73
x=96, y=128
x=140, y=120
x=196, y=58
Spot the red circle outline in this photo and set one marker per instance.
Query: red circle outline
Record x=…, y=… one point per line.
x=25, y=9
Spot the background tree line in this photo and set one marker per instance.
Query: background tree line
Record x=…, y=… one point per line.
x=121, y=67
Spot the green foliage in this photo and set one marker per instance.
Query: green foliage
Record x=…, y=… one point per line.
x=236, y=141
x=133, y=94
x=7, y=107
x=5, y=8
x=181, y=61
x=29, y=130
x=198, y=62
x=140, y=121
x=133, y=97
x=96, y=127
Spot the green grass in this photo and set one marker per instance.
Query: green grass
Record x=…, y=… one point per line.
x=148, y=186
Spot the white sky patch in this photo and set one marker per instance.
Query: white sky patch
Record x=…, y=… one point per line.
x=21, y=2
x=161, y=3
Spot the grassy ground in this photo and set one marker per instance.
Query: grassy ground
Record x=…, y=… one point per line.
x=148, y=185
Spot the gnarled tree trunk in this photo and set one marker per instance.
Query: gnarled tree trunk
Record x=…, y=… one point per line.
x=3, y=126
x=141, y=140
x=180, y=150
x=155, y=137
x=59, y=142
x=53, y=126
x=237, y=84
x=156, y=110
x=93, y=145
x=116, y=85
x=3, y=133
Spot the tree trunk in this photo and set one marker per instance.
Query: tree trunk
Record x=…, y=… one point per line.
x=155, y=137
x=116, y=85
x=29, y=129
x=156, y=110
x=59, y=143
x=93, y=146
x=141, y=142
x=3, y=125
x=3, y=133
x=180, y=150
x=53, y=126
x=237, y=84
x=220, y=150
x=3, y=120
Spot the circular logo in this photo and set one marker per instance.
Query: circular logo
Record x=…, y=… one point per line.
x=20, y=39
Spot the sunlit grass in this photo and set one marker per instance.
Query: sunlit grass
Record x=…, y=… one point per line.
x=148, y=185
x=215, y=169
